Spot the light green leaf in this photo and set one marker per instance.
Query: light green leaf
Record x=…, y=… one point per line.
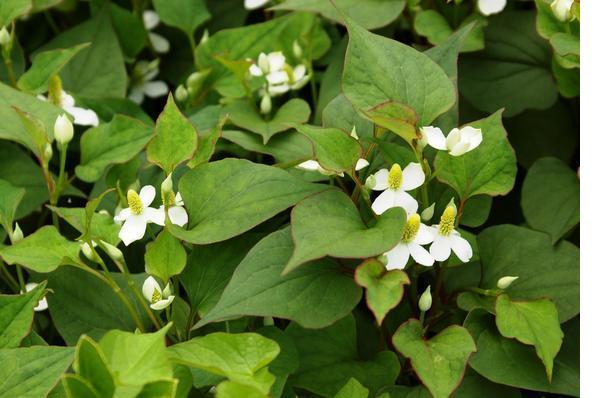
x=550, y=197
x=111, y=143
x=103, y=227
x=437, y=30
x=78, y=387
x=396, y=117
x=10, y=197
x=334, y=149
x=440, y=361
x=315, y=295
x=186, y=15
x=546, y=23
x=532, y=323
x=329, y=224
x=400, y=73
x=160, y=389
x=176, y=138
x=165, y=256
x=384, y=288
x=288, y=146
x=11, y=9
x=340, y=114
x=489, y=169
x=242, y=358
x=370, y=14
x=544, y=270
x=228, y=197
x=230, y=389
x=16, y=315
x=567, y=80
x=207, y=143
x=352, y=389
x=91, y=365
x=44, y=66
x=42, y=251
x=33, y=371
x=243, y=115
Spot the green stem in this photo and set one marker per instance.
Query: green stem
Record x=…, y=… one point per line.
x=192, y=42
x=313, y=84
x=485, y=292
x=9, y=68
x=8, y=278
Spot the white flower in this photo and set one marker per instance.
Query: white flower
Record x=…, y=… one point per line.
x=415, y=235
x=280, y=76
x=254, y=4
x=138, y=214
x=176, y=211
x=506, y=281
x=394, y=184
x=425, y=300
x=63, y=129
x=459, y=141
x=313, y=165
x=159, y=299
x=151, y=21
x=447, y=239
x=43, y=303
x=489, y=7
x=81, y=116
x=142, y=83
x=562, y=9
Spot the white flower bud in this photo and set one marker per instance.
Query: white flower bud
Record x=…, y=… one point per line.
x=425, y=300
x=17, y=233
x=353, y=133
x=297, y=49
x=427, y=214
x=506, y=281
x=167, y=185
x=112, y=251
x=88, y=252
x=265, y=104
x=370, y=182
x=63, y=129
x=194, y=81
x=48, y=152
x=562, y=9
x=205, y=37
x=181, y=93
x=4, y=37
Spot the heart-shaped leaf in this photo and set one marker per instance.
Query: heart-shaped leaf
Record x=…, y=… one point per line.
x=396, y=117
x=16, y=315
x=165, y=256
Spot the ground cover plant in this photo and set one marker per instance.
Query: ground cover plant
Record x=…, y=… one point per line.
x=289, y=198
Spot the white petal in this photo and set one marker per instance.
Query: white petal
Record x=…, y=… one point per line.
x=159, y=43
x=461, y=247
x=407, y=202
x=132, y=229
x=83, y=117
x=361, y=164
x=300, y=83
x=41, y=97
x=42, y=305
x=155, y=89
x=276, y=61
x=136, y=94
x=435, y=137
x=66, y=100
x=278, y=77
x=471, y=135
x=381, y=180
x=412, y=177
x=147, y=194
x=278, y=89
x=151, y=19
x=123, y=215
x=178, y=215
x=460, y=148
x=489, y=7
x=309, y=165
x=179, y=199
x=150, y=74
x=299, y=72
x=453, y=138
x=156, y=216
x=384, y=201
x=149, y=286
x=162, y=304
x=397, y=257
x=425, y=235
x=255, y=70
x=420, y=255
x=440, y=248
x=263, y=62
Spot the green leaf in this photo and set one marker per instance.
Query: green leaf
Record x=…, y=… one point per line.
x=532, y=323
x=550, y=197
x=91, y=365
x=103, y=227
x=334, y=149
x=242, y=358
x=160, y=389
x=352, y=389
x=437, y=30
x=340, y=114
x=33, y=371
x=10, y=197
x=44, y=66
x=111, y=143
x=244, y=115
x=230, y=389
x=78, y=292
x=396, y=117
x=16, y=315
x=329, y=224
x=315, y=295
x=489, y=169
x=288, y=146
x=165, y=256
x=546, y=23
x=400, y=73
x=544, y=270
x=567, y=80
x=439, y=361
x=329, y=358
x=130, y=31
x=42, y=251
x=566, y=46
x=11, y=9
x=506, y=361
x=186, y=15
x=77, y=387
x=370, y=14
x=514, y=69
x=176, y=138
x=230, y=196
x=97, y=71
x=207, y=144
x=384, y=288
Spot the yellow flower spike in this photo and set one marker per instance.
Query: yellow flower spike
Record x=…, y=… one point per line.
x=411, y=228
x=447, y=220
x=395, y=177
x=135, y=203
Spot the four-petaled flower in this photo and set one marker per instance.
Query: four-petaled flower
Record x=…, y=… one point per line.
x=447, y=238
x=175, y=209
x=394, y=184
x=415, y=235
x=142, y=83
x=81, y=116
x=159, y=298
x=459, y=141
x=138, y=214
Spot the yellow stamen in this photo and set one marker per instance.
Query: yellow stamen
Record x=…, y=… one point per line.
x=55, y=90
x=395, y=177
x=411, y=228
x=156, y=296
x=447, y=220
x=135, y=203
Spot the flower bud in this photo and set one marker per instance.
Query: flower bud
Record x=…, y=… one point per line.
x=427, y=214
x=113, y=252
x=370, y=182
x=205, y=37
x=195, y=80
x=167, y=184
x=425, y=300
x=506, y=281
x=353, y=133
x=297, y=49
x=17, y=233
x=4, y=37
x=88, y=252
x=181, y=93
x=48, y=152
x=562, y=9
x=265, y=104
x=63, y=129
